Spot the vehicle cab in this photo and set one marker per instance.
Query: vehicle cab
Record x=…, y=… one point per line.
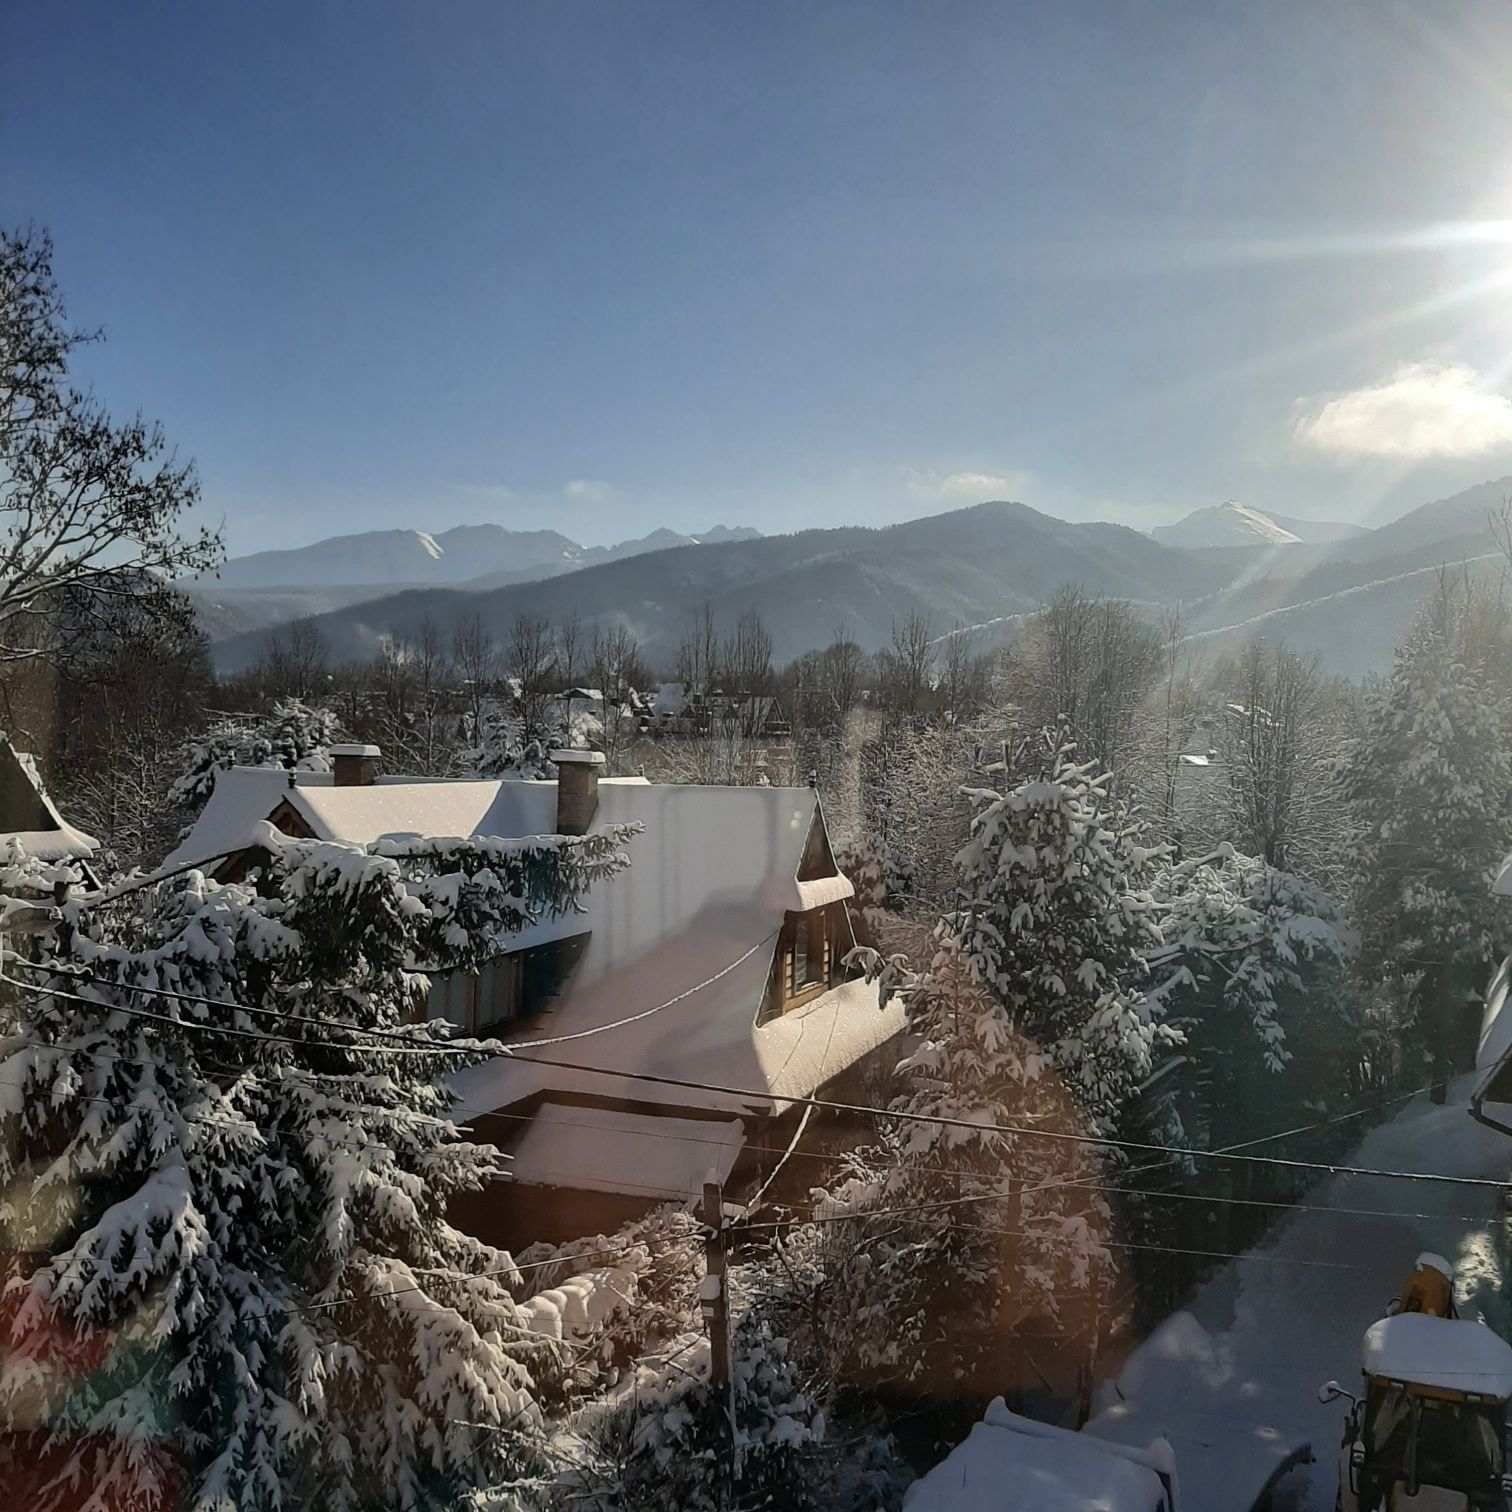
x=1430, y=1430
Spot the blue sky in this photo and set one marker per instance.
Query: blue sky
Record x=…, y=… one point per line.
x=612, y=266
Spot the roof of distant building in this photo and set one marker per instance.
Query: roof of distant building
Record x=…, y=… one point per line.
x=30, y=817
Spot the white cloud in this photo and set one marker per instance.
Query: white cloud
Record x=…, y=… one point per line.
x=969, y=487
x=1423, y=409
x=586, y=490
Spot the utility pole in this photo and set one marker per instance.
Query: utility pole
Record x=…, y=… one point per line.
x=1013, y=1265
x=714, y=1304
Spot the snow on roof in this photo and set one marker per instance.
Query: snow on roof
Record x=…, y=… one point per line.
x=28, y=814
x=1013, y=1464
x=241, y=797
x=1454, y=1354
x=1195, y=761
x=612, y=1150
x=1502, y=886
x=697, y=912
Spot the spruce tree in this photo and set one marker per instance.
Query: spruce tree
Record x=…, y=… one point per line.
x=1251, y=956
x=232, y=1281
x=1031, y=1014
x=292, y=737
x=1429, y=779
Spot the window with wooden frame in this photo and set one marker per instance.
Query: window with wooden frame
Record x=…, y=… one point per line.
x=509, y=988
x=808, y=964
x=477, y=1002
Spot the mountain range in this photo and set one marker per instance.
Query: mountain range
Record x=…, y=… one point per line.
x=1344, y=593
x=269, y=588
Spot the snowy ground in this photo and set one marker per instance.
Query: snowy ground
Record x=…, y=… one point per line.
x=1233, y=1378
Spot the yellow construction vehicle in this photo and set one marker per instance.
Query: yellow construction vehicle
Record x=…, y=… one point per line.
x=1430, y=1430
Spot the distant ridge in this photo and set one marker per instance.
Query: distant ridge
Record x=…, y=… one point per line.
x=968, y=565
x=393, y=559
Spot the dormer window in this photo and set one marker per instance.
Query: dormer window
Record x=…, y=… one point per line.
x=809, y=958
x=810, y=950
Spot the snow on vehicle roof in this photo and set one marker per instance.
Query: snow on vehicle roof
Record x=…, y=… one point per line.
x=1453, y=1354
x=1013, y=1464
x=612, y=1150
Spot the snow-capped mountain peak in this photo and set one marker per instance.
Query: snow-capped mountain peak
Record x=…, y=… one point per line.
x=1234, y=524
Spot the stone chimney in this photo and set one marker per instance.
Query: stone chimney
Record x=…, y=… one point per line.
x=577, y=789
x=354, y=765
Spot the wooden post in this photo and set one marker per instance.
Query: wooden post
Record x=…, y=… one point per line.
x=1013, y=1266
x=714, y=1303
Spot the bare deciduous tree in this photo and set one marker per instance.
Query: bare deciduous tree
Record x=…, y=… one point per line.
x=295, y=661
x=569, y=646
x=698, y=651
x=1277, y=742
x=475, y=654
x=530, y=658
x=89, y=510
x=907, y=666
x=1091, y=662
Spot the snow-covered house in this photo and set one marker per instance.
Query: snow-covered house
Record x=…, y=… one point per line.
x=716, y=958
x=31, y=819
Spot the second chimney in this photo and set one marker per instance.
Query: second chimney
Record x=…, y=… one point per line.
x=577, y=789
x=354, y=765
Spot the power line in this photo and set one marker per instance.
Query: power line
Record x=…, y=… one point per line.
x=635, y=1018
x=408, y=1047
x=406, y=1041
x=749, y=1094
x=246, y=1034
x=940, y=1121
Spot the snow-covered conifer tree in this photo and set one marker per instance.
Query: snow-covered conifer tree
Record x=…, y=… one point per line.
x=1252, y=956
x=1430, y=780
x=1030, y=1015
x=1055, y=919
x=293, y=737
x=500, y=745
x=232, y=1283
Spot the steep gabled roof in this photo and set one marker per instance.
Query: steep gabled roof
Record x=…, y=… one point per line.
x=694, y=918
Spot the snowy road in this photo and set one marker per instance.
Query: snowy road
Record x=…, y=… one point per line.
x=1238, y=1370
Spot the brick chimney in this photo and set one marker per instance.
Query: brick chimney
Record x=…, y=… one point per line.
x=354, y=765
x=577, y=789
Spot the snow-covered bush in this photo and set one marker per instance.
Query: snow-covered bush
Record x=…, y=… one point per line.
x=499, y=745
x=228, y=1156
x=666, y=1249
x=662, y=1439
